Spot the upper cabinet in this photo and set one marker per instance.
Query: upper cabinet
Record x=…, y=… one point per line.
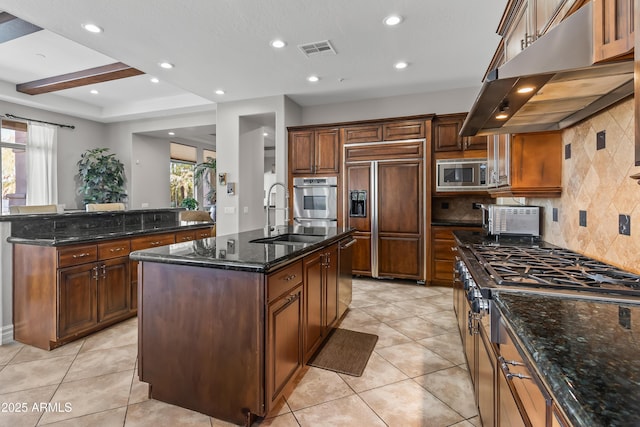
x=314, y=151
x=613, y=29
x=525, y=165
x=446, y=135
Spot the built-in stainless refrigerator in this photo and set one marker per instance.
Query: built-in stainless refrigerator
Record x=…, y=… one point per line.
x=384, y=202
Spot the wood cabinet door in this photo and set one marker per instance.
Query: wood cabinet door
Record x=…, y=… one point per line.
x=327, y=153
x=478, y=142
x=397, y=131
x=372, y=133
x=613, y=32
x=301, y=152
x=331, y=286
x=400, y=224
x=284, y=342
x=446, y=133
x=508, y=412
x=77, y=309
x=486, y=379
x=314, y=302
x=113, y=289
x=361, y=261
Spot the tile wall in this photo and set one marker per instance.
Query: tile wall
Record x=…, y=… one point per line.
x=458, y=208
x=597, y=188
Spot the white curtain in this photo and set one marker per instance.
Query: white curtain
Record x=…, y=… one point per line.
x=42, y=169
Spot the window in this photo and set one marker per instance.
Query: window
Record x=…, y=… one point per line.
x=183, y=161
x=13, y=149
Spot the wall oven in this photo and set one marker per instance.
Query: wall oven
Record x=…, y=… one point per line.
x=315, y=201
x=461, y=175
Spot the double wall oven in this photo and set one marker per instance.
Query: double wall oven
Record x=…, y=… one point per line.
x=315, y=201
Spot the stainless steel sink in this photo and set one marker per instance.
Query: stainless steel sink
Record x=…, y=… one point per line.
x=290, y=239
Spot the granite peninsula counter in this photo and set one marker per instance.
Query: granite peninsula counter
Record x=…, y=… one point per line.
x=225, y=324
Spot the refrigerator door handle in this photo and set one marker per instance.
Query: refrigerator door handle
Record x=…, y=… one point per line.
x=374, y=197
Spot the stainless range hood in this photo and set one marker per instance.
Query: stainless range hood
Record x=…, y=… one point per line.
x=568, y=87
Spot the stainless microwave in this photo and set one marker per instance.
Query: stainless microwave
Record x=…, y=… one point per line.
x=461, y=175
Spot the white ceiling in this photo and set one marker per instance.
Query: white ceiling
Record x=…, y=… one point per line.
x=224, y=44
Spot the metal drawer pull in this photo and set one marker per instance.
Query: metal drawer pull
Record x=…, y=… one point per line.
x=156, y=243
x=291, y=298
x=521, y=376
x=290, y=277
x=512, y=362
x=82, y=255
x=117, y=249
x=351, y=243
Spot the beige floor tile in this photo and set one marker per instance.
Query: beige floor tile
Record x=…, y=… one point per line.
x=18, y=407
x=387, y=336
x=364, y=299
x=101, y=362
x=8, y=351
x=378, y=373
x=446, y=319
x=29, y=353
x=416, y=328
x=475, y=421
x=154, y=413
x=443, y=300
x=37, y=373
x=446, y=345
x=356, y=316
x=453, y=387
x=285, y=420
x=124, y=333
x=110, y=418
x=416, y=307
x=139, y=390
x=464, y=423
x=315, y=387
x=407, y=404
x=345, y=412
x=413, y=359
x=386, y=312
x=392, y=295
x=91, y=395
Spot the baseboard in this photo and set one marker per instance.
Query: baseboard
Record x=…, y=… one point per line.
x=7, y=334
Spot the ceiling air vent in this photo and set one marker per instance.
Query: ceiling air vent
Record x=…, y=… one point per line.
x=316, y=48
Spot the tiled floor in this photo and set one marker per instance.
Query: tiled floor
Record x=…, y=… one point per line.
x=416, y=376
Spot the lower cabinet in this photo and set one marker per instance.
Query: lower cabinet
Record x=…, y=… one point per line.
x=442, y=255
x=77, y=296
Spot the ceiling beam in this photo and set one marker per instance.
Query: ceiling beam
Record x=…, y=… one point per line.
x=12, y=27
x=90, y=76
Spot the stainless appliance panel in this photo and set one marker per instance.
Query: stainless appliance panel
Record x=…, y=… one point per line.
x=461, y=175
x=315, y=198
x=345, y=285
x=504, y=219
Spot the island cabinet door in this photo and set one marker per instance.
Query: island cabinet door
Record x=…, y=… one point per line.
x=284, y=345
x=77, y=288
x=331, y=286
x=314, y=304
x=113, y=289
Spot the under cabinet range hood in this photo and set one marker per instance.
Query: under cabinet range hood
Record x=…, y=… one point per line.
x=565, y=86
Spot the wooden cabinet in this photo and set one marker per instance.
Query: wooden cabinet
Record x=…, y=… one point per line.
x=189, y=235
x=365, y=133
x=410, y=129
x=285, y=331
x=486, y=376
x=66, y=292
x=314, y=151
x=442, y=253
x=321, y=296
x=526, y=165
x=613, y=29
x=446, y=135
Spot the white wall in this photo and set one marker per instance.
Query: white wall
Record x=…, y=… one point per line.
x=444, y=102
x=251, y=176
x=149, y=173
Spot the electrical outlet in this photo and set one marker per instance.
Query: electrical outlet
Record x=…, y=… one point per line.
x=624, y=224
x=444, y=205
x=475, y=205
x=583, y=218
x=601, y=140
x=554, y=214
x=624, y=317
x=567, y=151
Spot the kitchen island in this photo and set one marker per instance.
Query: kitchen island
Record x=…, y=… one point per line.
x=226, y=324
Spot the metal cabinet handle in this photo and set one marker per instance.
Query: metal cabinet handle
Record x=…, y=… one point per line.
x=505, y=368
x=290, y=299
x=351, y=243
x=156, y=243
x=104, y=271
x=116, y=249
x=520, y=376
x=82, y=255
x=290, y=277
x=95, y=273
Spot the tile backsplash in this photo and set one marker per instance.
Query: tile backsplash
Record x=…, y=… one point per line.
x=596, y=185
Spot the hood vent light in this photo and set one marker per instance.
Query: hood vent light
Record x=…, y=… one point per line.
x=316, y=48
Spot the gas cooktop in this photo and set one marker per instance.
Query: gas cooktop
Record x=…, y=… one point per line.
x=553, y=268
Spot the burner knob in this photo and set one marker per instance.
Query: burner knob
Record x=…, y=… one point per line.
x=473, y=294
x=468, y=282
x=480, y=305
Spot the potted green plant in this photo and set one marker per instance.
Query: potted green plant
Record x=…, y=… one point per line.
x=190, y=203
x=101, y=177
x=206, y=171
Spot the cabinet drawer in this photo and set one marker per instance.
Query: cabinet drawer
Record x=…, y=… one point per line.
x=442, y=250
x=152, y=241
x=363, y=134
x=409, y=150
x=443, y=271
x=283, y=280
x=204, y=233
x=77, y=255
x=403, y=130
x=442, y=234
x=114, y=249
x=185, y=236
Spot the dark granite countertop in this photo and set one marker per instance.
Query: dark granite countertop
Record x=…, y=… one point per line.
x=586, y=350
x=237, y=252
x=81, y=214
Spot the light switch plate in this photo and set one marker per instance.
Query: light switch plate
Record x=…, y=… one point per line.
x=229, y=209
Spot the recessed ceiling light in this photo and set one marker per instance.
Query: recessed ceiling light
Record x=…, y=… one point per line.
x=392, y=20
x=166, y=65
x=172, y=133
x=92, y=28
x=401, y=65
x=94, y=92
x=526, y=89
x=154, y=80
x=219, y=92
x=278, y=44
x=313, y=79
